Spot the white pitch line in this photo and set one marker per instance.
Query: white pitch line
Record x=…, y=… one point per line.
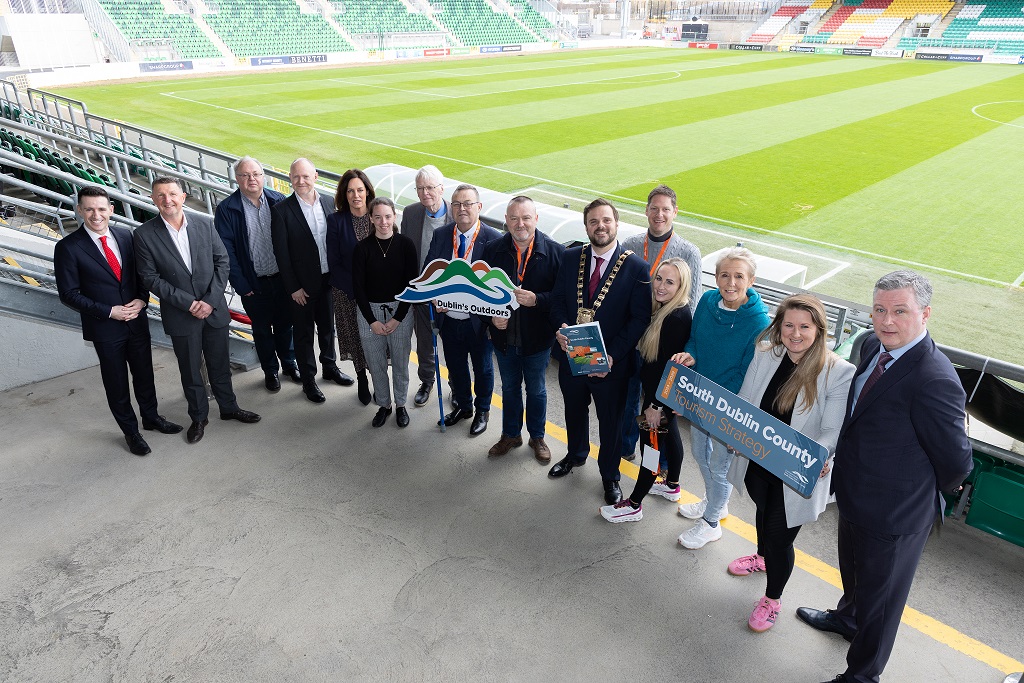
x=1019, y=280
x=975, y=108
x=827, y=276
x=384, y=87
x=588, y=190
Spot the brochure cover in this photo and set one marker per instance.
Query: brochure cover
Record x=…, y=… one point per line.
x=586, y=349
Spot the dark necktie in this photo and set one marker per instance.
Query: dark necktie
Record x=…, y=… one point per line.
x=462, y=245
x=111, y=258
x=595, y=279
x=876, y=374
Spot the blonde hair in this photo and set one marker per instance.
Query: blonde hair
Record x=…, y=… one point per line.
x=651, y=339
x=737, y=254
x=805, y=377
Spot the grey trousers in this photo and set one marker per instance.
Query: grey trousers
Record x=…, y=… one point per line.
x=376, y=348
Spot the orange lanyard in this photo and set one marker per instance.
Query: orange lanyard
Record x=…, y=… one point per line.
x=654, y=266
x=520, y=263
x=469, y=247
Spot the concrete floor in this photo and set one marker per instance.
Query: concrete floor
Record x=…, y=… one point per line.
x=311, y=547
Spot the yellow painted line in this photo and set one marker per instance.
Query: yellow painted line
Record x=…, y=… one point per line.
x=30, y=280
x=933, y=628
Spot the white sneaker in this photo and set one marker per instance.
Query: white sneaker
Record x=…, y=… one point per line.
x=700, y=535
x=659, y=488
x=694, y=510
x=623, y=511
x=697, y=510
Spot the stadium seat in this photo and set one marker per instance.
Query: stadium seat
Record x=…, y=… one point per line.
x=997, y=507
x=146, y=19
x=474, y=22
x=293, y=33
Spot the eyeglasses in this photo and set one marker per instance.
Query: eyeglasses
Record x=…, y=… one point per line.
x=459, y=205
x=427, y=188
x=249, y=176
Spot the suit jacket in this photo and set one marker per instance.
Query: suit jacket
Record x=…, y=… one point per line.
x=534, y=322
x=298, y=257
x=625, y=312
x=441, y=247
x=821, y=422
x=86, y=283
x=412, y=225
x=903, y=443
x=164, y=273
x=341, y=244
x=234, y=233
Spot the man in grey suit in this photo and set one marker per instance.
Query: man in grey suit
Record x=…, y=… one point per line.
x=418, y=223
x=182, y=260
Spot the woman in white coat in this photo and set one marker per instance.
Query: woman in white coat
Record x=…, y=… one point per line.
x=794, y=377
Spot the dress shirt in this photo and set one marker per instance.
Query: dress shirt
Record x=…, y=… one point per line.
x=605, y=257
x=317, y=221
x=111, y=242
x=257, y=223
x=861, y=380
x=180, y=239
x=470, y=234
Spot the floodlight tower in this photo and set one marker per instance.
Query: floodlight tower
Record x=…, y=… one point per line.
x=624, y=6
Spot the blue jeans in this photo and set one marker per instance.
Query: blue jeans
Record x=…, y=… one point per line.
x=713, y=460
x=630, y=428
x=515, y=368
x=462, y=343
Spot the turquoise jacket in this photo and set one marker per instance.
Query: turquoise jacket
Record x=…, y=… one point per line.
x=722, y=341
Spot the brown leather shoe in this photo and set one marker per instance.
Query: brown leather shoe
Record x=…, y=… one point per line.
x=540, y=450
x=505, y=444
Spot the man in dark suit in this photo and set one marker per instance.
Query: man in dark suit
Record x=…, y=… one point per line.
x=465, y=336
x=902, y=443
x=298, y=227
x=95, y=270
x=243, y=222
x=522, y=343
x=623, y=309
x=419, y=221
x=182, y=260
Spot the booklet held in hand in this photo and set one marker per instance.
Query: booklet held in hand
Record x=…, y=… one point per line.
x=585, y=349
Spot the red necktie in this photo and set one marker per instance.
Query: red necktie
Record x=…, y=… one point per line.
x=111, y=259
x=595, y=279
x=876, y=374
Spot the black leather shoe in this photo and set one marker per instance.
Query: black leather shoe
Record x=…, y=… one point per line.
x=364, y=388
x=612, y=492
x=423, y=395
x=312, y=392
x=453, y=417
x=479, y=425
x=563, y=467
x=195, y=432
x=841, y=678
x=273, y=382
x=246, y=416
x=825, y=621
x=381, y=417
x=161, y=425
x=338, y=377
x=402, y=416
x=292, y=370
x=137, y=445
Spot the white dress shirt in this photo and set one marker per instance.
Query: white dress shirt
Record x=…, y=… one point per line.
x=180, y=239
x=317, y=222
x=111, y=242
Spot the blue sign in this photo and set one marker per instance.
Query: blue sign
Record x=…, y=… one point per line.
x=148, y=67
x=789, y=455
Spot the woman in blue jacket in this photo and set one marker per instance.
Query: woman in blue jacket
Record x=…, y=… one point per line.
x=726, y=325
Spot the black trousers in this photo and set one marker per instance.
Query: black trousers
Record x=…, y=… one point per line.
x=318, y=313
x=268, y=309
x=207, y=344
x=774, y=537
x=877, y=570
x=609, y=397
x=671, y=447
x=424, y=343
x=117, y=358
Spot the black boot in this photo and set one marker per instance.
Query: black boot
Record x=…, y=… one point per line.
x=363, y=388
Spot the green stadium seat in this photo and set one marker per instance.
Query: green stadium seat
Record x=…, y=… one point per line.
x=997, y=507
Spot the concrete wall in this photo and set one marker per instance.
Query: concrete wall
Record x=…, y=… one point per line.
x=34, y=351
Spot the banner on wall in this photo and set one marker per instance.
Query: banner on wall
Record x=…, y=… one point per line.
x=490, y=49
x=435, y=52
x=857, y=51
x=288, y=59
x=828, y=50
x=460, y=51
x=801, y=48
x=153, y=67
x=932, y=56
x=956, y=57
x=703, y=46
x=887, y=52
x=569, y=46
x=746, y=46
x=511, y=48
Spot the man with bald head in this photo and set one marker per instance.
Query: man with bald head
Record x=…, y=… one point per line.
x=243, y=222
x=298, y=228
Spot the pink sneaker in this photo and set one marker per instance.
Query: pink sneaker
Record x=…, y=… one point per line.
x=764, y=615
x=748, y=564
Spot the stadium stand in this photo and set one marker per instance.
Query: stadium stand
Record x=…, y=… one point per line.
x=147, y=20
x=778, y=21
x=997, y=504
x=872, y=23
x=998, y=26
x=474, y=22
x=533, y=19
x=281, y=29
x=382, y=16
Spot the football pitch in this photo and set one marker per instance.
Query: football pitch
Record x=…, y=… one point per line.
x=849, y=166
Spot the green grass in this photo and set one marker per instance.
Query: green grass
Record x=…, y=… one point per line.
x=868, y=161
